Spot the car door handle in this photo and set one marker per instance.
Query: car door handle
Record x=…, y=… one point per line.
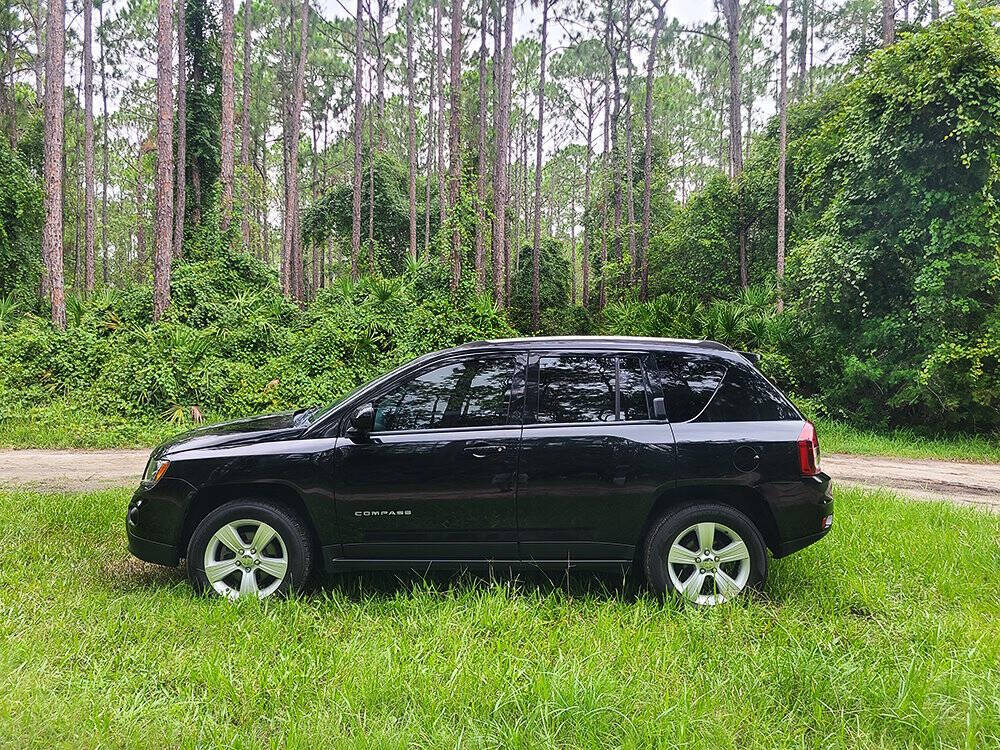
x=480, y=450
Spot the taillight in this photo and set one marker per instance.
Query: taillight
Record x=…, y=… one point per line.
x=808, y=450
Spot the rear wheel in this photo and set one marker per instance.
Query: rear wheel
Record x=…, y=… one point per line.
x=249, y=548
x=706, y=554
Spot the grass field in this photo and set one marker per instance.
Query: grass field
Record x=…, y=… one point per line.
x=884, y=635
x=840, y=437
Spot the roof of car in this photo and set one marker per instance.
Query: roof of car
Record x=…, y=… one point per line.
x=596, y=342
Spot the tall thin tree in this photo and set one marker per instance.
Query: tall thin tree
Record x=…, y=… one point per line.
x=411, y=131
x=888, y=22
x=480, y=259
x=105, y=272
x=454, y=141
x=52, y=231
x=647, y=148
x=442, y=195
x=88, y=144
x=782, y=146
x=500, y=185
x=292, y=226
x=164, y=157
x=180, y=172
x=227, y=125
x=731, y=10
x=245, y=124
x=536, y=243
x=356, y=206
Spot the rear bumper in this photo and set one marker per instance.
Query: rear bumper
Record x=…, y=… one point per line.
x=803, y=513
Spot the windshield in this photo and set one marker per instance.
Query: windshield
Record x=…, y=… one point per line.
x=321, y=412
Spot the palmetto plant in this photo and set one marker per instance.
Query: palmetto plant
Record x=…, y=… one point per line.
x=8, y=310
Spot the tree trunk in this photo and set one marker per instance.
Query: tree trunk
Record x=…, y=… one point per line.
x=454, y=141
x=536, y=242
x=647, y=150
x=503, y=147
x=442, y=195
x=245, y=125
x=602, y=285
x=105, y=275
x=140, y=210
x=803, y=41
x=164, y=158
x=52, y=231
x=480, y=253
x=180, y=171
x=88, y=144
x=295, y=234
x=380, y=64
x=888, y=22
x=629, y=183
x=616, y=186
x=731, y=9
x=782, y=146
x=431, y=140
x=411, y=131
x=227, y=125
x=585, y=292
x=356, y=207
x=935, y=10
x=572, y=238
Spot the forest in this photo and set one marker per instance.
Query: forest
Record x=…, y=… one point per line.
x=210, y=211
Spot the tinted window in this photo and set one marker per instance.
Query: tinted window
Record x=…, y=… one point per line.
x=746, y=396
x=632, y=389
x=474, y=393
x=689, y=380
x=576, y=389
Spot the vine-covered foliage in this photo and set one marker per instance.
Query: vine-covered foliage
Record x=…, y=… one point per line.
x=20, y=228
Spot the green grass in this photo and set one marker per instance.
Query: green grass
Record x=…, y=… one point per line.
x=884, y=635
x=841, y=437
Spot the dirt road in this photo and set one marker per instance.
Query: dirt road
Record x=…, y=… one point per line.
x=963, y=483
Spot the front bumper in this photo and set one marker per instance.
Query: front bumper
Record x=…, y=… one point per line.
x=154, y=522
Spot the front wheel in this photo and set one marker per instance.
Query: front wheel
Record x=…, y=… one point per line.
x=706, y=554
x=249, y=548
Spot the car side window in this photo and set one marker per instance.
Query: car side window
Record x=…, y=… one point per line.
x=747, y=396
x=470, y=393
x=576, y=388
x=633, y=403
x=689, y=381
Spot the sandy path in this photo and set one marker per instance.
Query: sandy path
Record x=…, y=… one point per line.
x=963, y=483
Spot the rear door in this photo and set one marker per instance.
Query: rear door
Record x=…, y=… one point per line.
x=591, y=457
x=435, y=479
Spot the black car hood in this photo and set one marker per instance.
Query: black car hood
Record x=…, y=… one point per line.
x=283, y=426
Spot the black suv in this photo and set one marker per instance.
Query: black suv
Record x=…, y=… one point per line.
x=677, y=457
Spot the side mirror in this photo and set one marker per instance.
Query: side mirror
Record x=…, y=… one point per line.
x=659, y=408
x=363, y=419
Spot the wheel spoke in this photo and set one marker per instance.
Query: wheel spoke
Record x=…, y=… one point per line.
x=725, y=585
x=693, y=585
x=275, y=566
x=216, y=571
x=248, y=586
x=735, y=551
x=680, y=555
x=706, y=535
x=230, y=537
x=262, y=536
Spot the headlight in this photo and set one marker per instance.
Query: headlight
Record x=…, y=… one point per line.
x=155, y=470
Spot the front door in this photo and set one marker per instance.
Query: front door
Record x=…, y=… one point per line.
x=435, y=478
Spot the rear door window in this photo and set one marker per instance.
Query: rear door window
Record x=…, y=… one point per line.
x=689, y=382
x=576, y=388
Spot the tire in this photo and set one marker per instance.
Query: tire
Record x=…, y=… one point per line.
x=672, y=564
x=236, y=568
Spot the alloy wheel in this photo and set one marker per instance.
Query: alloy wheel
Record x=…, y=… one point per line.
x=246, y=558
x=708, y=563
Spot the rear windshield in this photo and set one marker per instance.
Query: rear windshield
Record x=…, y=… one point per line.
x=704, y=389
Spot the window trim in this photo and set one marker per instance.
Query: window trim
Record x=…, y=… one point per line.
x=517, y=389
x=532, y=391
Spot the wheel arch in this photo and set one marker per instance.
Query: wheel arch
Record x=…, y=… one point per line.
x=207, y=499
x=740, y=497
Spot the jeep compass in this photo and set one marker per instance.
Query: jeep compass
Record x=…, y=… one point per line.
x=676, y=458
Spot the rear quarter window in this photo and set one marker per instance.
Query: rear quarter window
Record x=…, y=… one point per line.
x=746, y=396
x=704, y=389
